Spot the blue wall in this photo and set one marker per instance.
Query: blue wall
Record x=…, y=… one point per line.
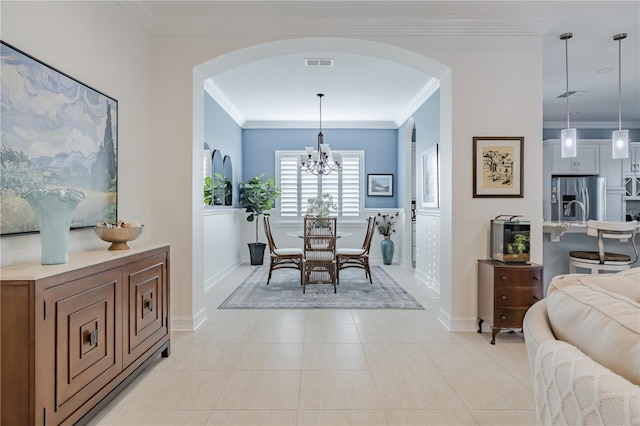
x=427, y=122
x=221, y=132
x=380, y=146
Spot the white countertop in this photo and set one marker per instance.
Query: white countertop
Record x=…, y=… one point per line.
x=558, y=229
x=34, y=270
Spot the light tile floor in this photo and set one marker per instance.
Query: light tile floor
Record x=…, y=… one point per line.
x=330, y=367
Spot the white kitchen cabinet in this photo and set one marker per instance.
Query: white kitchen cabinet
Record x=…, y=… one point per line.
x=632, y=187
x=631, y=165
x=615, y=206
x=586, y=163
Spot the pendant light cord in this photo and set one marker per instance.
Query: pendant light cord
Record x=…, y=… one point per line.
x=619, y=38
x=566, y=37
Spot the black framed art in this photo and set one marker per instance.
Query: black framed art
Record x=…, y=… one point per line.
x=498, y=167
x=57, y=133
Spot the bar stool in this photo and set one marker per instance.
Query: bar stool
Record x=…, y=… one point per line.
x=601, y=260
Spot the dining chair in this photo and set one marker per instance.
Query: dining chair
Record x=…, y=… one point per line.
x=281, y=258
x=357, y=257
x=319, y=263
x=602, y=260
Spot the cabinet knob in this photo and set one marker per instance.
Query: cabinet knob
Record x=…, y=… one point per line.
x=503, y=317
x=148, y=304
x=536, y=298
x=502, y=277
x=503, y=297
x=92, y=337
x=537, y=278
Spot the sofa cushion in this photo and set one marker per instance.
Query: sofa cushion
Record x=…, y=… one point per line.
x=602, y=324
x=572, y=389
x=624, y=282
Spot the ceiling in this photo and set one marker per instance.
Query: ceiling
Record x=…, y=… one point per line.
x=378, y=93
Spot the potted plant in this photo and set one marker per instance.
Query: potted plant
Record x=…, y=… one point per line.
x=386, y=226
x=321, y=207
x=257, y=196
x=518, y=250
x=208, y=189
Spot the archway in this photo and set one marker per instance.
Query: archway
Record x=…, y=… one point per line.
x=361, y=47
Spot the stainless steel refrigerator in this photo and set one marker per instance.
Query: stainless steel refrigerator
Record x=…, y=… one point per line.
x=571, y=195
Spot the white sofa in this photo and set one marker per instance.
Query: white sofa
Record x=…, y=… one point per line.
x=583, y=346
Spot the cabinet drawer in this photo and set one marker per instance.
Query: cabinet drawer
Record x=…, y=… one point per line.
x=506, y=317
x=82, y=319
x=146, y=306
x=510, y=296
x=518, y=277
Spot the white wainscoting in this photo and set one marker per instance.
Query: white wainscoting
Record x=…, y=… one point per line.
x=222, y=243
x=428, y=247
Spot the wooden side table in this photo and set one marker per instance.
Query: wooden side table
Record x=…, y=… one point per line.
x=505, y=292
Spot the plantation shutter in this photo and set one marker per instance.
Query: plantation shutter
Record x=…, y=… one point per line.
x=297, y=187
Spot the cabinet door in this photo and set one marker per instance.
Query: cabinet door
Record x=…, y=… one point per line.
x=631, y=165
x=83, y=329
x=586, y=163
x=146, y=305
x=615, y=206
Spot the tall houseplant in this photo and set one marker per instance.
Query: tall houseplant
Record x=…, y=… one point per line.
x=257, y=196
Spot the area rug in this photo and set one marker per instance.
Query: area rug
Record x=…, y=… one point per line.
x=285, y=292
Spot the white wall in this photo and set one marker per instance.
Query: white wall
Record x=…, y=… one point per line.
x=493, y=87
x=98, y=44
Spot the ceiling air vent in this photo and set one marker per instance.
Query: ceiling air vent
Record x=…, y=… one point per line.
x=318, y=62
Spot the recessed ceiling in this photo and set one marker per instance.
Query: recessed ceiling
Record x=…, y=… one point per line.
x=283, y=89
x=365, y=89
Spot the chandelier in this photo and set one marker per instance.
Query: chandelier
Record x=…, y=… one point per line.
x=322, y=161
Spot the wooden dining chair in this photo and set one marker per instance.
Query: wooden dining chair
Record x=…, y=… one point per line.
x=319, y=263
x=357, y=257
x=281, y=258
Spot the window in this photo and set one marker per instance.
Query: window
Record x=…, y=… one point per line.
x=297, y=187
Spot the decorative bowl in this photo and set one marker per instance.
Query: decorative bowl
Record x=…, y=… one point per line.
x=118, y=237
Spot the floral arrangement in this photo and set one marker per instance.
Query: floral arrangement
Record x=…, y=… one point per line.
x=321, y=206
x=386, y=223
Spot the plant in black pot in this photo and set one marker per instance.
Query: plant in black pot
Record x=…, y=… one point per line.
x=257, y=196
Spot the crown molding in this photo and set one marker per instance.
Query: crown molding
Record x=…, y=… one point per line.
x=429, y=89
x=402, y=25
x=212, y=89
x=325, y=125
x=590, y=125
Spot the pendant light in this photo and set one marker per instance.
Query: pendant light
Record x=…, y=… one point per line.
x=569, y=136
x=322, y=161
x=620, y=138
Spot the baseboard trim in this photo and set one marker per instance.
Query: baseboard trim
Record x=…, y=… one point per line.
x=215, y=279
x=189, y=323
x=457, y=324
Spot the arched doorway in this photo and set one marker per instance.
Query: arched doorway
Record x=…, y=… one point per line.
x=361, y=47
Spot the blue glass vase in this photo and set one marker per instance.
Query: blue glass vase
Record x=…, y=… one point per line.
x=387, y=247
x=54, y=209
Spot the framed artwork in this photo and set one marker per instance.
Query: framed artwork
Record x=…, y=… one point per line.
x=430, y=178
x=498, y=167
x=380, y=185
x=57, y=133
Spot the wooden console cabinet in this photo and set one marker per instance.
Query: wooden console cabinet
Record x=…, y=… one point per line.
x=506, y=292
x=72, y=335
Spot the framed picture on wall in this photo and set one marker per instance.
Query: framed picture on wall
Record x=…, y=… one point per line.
x=430, y=178
x=57, y=133
x=498, y=167
x=380, y=185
